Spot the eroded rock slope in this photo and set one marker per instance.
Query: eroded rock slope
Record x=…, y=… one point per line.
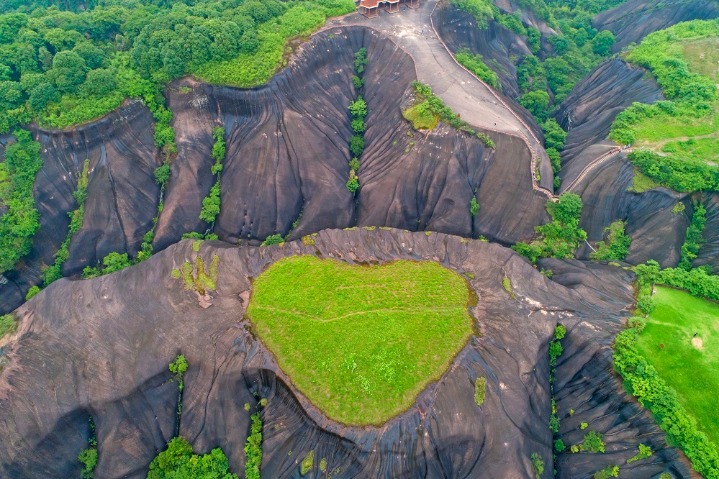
x=101, y=348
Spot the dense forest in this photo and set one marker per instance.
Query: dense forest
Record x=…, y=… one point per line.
x=64, y=65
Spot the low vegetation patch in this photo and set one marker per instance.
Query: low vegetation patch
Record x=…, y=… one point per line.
x=678, y=137
x=681, y=342
x=8, y=324
x=480, y=390
x=616, y=244
x=361, y=341
x=196, y=277
x=475, y=64
x=428, y=109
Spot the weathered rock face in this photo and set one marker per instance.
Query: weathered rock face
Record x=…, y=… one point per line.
x=121, y=196
x=709, y=252
x=287, y=155
x=635, y=19
x=101, y=347
x=287, y=160
x=496, y=44
x=588, y=112
x=656, y=231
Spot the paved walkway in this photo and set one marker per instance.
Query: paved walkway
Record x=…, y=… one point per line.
x=464, y=93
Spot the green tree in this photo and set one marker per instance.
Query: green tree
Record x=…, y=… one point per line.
x=179, y=461
x=603, y=42
x=537, y=102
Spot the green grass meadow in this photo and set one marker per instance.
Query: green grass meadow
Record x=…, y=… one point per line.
x=361, y=342
x=692, y=370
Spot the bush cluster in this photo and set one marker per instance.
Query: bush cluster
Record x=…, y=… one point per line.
x=211, y=203
x=426, y=99
x=180, y=461
x=560, y=237
x=475, y=64
x=253, y=448
x=693, y=239
x=616, y=246
x=21, y=220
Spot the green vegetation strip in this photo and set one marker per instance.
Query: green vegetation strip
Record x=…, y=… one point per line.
x=681, y=341
x=19, y=224
x=361, y=342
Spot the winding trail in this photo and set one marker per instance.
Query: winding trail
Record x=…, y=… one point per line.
x=598, y=161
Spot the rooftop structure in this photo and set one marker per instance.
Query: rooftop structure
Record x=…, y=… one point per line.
x=371, y=8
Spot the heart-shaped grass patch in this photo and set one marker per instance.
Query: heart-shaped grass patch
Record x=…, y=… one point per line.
x=361, y=342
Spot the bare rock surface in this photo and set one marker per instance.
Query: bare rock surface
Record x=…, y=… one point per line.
x=101, y=347
x=287, y=155
x=588, y=112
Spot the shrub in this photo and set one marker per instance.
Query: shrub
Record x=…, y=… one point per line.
x=273, y=239
x=537, y=465
x=353, y=182
x=593, y=442
x=8, y=324
x=179, y=461
x=162, y=174
x=473, y=206
x=307, y=463
x=358, y=108
x=253, y=448
x=357, y=145
x=476, y=65
x=480, y=387
x=559, y=446
x=693, y=239
x=644, y=452
x=607, y=472
x=32, y=292
x=561, y=237
x=88, y=458
x=616, y=246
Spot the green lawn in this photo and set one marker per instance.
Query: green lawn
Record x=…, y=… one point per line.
x=693, y=371
x=361, y=342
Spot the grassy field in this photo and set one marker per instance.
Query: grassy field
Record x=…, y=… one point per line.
x=361, y=342
x=686, y=135
x=688, y=364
